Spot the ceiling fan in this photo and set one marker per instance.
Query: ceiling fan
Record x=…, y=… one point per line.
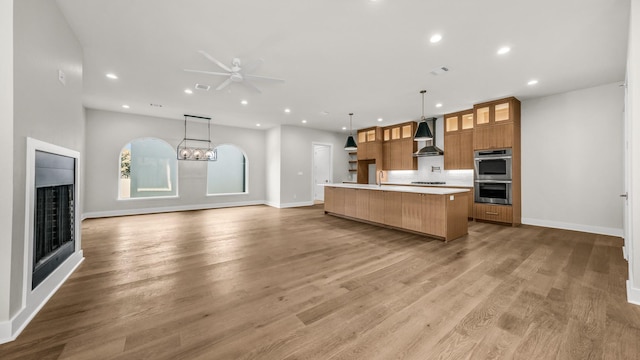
x=235, y=73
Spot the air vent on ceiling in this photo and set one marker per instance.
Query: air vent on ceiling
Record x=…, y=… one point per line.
x=439, y=70
x=202, y=87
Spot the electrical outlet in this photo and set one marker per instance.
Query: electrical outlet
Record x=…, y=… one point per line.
x=62, y=77
x=451, y=197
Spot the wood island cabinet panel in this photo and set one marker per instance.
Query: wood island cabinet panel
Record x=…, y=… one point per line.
x=350, y=202
x=392, y=208
x=434, y=221
x=456, y=210
x=376, y=206
x=362, y=204
x=328, y=199
x=338, y=200
x=412, y=211
x=443, y=216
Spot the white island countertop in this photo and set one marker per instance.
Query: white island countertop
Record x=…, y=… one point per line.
x=408, y=189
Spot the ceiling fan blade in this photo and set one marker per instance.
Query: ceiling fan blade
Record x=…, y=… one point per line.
x=262, y=77
x=207, y=72
x=252, y=85
x=224, y=84
x=252, y=66
x=215, y=61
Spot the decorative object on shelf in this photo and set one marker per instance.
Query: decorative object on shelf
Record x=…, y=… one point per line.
x=422, y=132
x=351, y=142
x=198, y=153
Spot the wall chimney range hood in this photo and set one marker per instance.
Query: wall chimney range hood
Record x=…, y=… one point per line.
x=431, y=149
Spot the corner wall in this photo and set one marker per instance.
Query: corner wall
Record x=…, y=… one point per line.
x=582, y=193
x=273, y=163
x=6, y=162
x=44, y=109
x=633, y=113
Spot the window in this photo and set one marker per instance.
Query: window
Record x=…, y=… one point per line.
x=228, y=174
x=148, y=168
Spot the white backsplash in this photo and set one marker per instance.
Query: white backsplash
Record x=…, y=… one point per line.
x=431, y=168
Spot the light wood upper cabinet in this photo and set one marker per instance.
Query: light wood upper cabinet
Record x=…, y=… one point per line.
x=496, y=124
x=458, y=140
x=370, y=144
x=398, y=147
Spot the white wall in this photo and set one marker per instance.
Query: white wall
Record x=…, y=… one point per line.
x=296, y=186
x=572, y=172
x=108, y=132
x=6, y=162
x=43, y=108
x=633, y=112
x=272, y=160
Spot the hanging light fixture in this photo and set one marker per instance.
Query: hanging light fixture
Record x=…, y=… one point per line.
x=423, y=132
x=351, y=142
x=201, y=152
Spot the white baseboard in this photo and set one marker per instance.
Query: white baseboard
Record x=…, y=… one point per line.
x=5, y=332
x=155, y=210
x=297, y=204
x=576, y=227
x=633, y=294
x=624, y=253
x=9, y=330
x=289, y=205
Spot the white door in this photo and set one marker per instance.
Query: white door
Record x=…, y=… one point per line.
x=321, y=169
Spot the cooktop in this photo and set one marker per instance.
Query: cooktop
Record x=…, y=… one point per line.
x=429, y=182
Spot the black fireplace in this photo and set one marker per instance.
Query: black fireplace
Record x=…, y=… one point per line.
x=54, y=217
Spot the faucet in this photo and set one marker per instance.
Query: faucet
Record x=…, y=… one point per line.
x=380, y=176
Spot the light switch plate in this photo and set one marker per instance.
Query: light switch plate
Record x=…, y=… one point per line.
x=62, y=77
x=451, y=197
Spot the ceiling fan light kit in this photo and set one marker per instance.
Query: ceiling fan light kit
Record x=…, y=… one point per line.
x=235, y=73
x=203, y=152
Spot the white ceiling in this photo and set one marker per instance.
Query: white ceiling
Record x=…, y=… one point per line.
x=339, y=56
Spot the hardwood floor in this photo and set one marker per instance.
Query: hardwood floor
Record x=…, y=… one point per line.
x=264, y=283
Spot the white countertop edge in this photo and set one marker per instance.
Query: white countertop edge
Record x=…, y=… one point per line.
x=409, y=189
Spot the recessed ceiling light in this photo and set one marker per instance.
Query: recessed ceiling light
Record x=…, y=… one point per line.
x=112, y=76
x=244, y=102
x=188, y=91
x=125, y=106
x=287, y=110
x=435, y=38
x=304, y=121
x=258, y=125
x=379, y=119
x=439, y=105
x=344, y=128
x=532, y=82
x=503, y=50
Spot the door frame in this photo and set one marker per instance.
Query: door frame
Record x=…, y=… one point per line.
x=313, y=165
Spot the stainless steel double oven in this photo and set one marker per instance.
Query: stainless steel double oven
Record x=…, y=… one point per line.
x=493, y=176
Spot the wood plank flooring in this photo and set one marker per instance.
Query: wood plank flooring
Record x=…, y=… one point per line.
x=264, y=283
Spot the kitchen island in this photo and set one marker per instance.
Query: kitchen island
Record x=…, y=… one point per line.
x=437, y=212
